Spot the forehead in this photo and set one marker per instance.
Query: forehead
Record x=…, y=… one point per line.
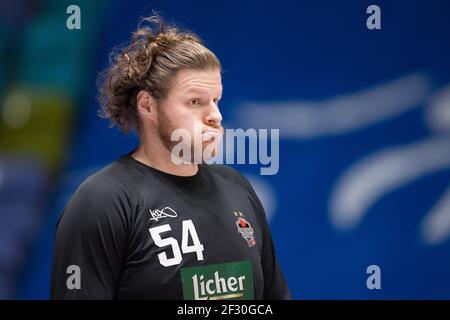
x=188, y=80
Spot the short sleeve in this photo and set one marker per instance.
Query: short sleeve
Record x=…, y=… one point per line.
x=90, y=242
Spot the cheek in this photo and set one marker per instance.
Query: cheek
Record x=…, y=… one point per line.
x=189, y=119
x=185, y=117
x=179, y=117
x=191, y=125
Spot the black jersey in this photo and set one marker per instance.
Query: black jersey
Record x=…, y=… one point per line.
x=133, y=232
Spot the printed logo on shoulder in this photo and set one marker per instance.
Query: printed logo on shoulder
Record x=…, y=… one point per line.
x=166, y=212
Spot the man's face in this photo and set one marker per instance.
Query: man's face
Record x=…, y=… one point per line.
x=192, y=105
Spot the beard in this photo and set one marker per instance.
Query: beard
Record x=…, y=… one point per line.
x=165, y=130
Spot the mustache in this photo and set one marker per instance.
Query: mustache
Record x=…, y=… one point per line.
x=215, y=128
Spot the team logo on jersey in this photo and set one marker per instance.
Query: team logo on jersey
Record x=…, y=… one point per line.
x=233, y=280
x=245, y=229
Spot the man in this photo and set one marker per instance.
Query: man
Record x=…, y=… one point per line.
x=149, y=226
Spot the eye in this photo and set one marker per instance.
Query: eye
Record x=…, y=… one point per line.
x=195, y=102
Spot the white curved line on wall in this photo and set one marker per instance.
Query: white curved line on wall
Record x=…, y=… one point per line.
x=435, y=227
x=365, y=182
x=338, y=115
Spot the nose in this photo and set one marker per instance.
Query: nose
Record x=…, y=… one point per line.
x=213, y=117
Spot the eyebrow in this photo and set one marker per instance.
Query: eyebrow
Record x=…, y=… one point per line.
x=196, y=90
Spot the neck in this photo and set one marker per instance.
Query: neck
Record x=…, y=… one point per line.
x=157, y=156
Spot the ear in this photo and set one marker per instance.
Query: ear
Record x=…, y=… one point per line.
x=145, y=103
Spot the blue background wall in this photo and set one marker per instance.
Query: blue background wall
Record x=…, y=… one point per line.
x=349, y=102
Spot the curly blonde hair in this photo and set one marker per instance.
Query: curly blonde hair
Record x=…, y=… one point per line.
x=150, y=62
